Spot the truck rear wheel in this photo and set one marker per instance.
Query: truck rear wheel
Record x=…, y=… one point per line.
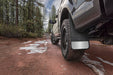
x=53, y=40
x=67, y=51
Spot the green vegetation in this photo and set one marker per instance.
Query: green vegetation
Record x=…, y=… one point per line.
x=18, y=32
x=21, y=18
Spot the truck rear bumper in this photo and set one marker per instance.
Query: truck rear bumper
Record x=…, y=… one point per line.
x=108, y=4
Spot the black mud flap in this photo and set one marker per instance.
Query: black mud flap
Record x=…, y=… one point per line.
x=79, y=40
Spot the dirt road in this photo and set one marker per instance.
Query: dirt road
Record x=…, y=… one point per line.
x=40, y=57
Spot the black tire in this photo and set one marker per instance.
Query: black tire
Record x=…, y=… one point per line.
x=53, y=40
x=67, y=51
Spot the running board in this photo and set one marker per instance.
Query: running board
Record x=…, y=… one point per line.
x=77, y=45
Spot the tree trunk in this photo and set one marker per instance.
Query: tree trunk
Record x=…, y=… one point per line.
x=16, y=12
x=7, y=12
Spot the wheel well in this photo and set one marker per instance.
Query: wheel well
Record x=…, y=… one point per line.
x=64, y=15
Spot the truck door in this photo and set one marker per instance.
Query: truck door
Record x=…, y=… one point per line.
x=86, y=12
x=55, y=28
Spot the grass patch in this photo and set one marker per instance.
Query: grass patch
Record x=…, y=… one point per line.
x=13, y=31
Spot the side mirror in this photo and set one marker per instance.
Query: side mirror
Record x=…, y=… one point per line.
x=52, y=22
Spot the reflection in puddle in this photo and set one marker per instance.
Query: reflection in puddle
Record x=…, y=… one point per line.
x=35, y=48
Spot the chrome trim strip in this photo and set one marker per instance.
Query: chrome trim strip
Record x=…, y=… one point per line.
x=80, y=44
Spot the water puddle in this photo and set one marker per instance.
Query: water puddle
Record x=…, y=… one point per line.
x=35, y=47
x=27, y=42
x=104, y=61
x=96, y=66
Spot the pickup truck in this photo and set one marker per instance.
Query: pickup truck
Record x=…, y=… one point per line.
x=78, y=21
